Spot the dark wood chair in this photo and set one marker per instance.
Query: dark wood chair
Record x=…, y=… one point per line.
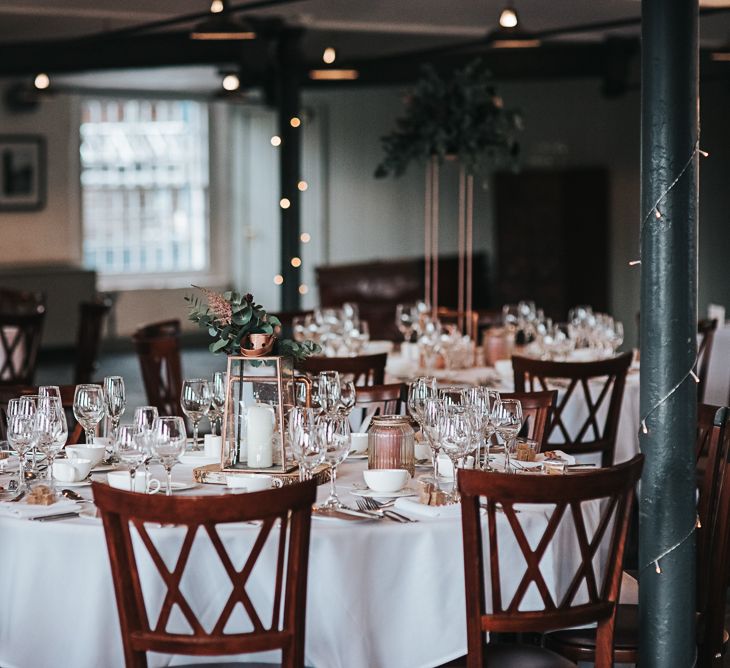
x=607, y=377
x=286, y=511
x=362, y=369
x=8, y=392
x=537, y=408
x=158, y=350
x=713, y=559
x=374, y=400
x=88, y=338
x=706, y=336
x=21, y=328
x=466, y=323
x=500, y=493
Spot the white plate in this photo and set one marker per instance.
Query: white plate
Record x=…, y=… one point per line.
x=372, y=494
x=105, y=468
x=198, y=459
x=81, y=483
x=177, y=486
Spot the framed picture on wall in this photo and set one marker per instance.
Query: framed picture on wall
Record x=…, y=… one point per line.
x=22, y=172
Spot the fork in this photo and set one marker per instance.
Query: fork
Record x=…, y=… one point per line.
x=377, y=506
x=365, y=507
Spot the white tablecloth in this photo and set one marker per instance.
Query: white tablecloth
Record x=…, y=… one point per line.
x=381, y=594
x=574, y=414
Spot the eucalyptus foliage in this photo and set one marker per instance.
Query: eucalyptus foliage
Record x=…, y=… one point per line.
x=455, y=114
x=231, y=316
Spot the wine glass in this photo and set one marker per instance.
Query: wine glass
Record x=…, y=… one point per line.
x=219, y=389
x=131, y=448
x=49, y=391
x=328, y=390
x=115, y=400
x=431, y=425
x=25, y=405
x=168, y=443
x=20, y=438
x=405, y=319
x=195, y=400
x=144, y=420
x=418, y=391
x=457, y=435
x=507, y=419
x=451, y=395
x=50, y=431
x=348, y=396
x=333, y=436
x=305, y=447
x=480, y=400
x=89, y=408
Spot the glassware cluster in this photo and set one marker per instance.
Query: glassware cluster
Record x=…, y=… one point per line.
x=340, y=331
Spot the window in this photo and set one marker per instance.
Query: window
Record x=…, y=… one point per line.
x=144, y=182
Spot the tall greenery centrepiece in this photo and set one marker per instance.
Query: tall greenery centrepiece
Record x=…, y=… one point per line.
x=231, y=316
x=454, y=114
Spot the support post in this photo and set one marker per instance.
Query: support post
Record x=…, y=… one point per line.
x=669, y=150
x=290, y=158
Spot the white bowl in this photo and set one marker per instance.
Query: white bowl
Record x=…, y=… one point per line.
x=71, y=470
x=93, y=452
x=359, y=442
x=386, y=480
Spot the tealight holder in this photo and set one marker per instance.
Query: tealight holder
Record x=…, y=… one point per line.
x=260, y=393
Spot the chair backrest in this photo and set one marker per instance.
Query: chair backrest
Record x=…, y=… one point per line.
x=158, y=349
x=88, y=338
x=21, y=327
x=8, y=392
x=537, y=408
x=601, y=384
x=466, y=322
x=362, y=369
x=286, y=511
x=614, y=487
x=713, y=546
x=706, y=336
x=374, y=400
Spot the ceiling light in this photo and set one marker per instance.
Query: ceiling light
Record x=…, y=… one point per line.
x=302, y=185
x=329, y=56
x=296, y=262
x=276, y=140
x=508, y=17
x=333, y=75
x=231, y=82
x=305, y=237
x=278, y=279
x=295, y=121
x=220, y=25
x=303, y=289
x=42, y=81
x=284, y=203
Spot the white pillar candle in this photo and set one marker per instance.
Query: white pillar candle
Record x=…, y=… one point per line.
x=259, y=433
x=212, y=445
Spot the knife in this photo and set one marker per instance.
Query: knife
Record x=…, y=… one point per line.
x=58, y=516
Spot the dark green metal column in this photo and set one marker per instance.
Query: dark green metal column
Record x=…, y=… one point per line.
x=290, y=158
x=669, y=123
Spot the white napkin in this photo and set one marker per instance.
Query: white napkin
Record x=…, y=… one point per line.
x=24, y=510
x=411, y=507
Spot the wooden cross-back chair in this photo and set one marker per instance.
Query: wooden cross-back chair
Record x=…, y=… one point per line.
x=375, y=400
x=362, y=369
x=8, y=392
x=286, y=511
x=88, y=338
x=713, y=558
x=465, y=321
x=537, y=408
x=615, y=486
x=606, y=377
x=706, y=336
x=21, y=328
x=158, y=349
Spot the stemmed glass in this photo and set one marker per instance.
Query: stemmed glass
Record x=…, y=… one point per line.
x=218, y=401
x=195, y=400
x=169, y=443
x=50, y=431
x=89, y=408
x=328, y=390
x=333, y=435
x=25, y=405
x=457, y=435
x=144, y=420
x=431, y=424
x=131, y=448
x=507, y=419
x=406, y=319
x=115, y=400
x=49, y=391
x=348, y=396
x=451, y=395
x=20, y=438
x=481, y=400
x=305, y=447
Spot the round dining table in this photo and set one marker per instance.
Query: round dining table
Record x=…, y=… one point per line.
x=381, y=593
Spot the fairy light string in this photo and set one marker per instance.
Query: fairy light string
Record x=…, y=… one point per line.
x=654, y=215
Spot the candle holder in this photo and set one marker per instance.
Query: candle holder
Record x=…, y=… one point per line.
x=260, y=393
